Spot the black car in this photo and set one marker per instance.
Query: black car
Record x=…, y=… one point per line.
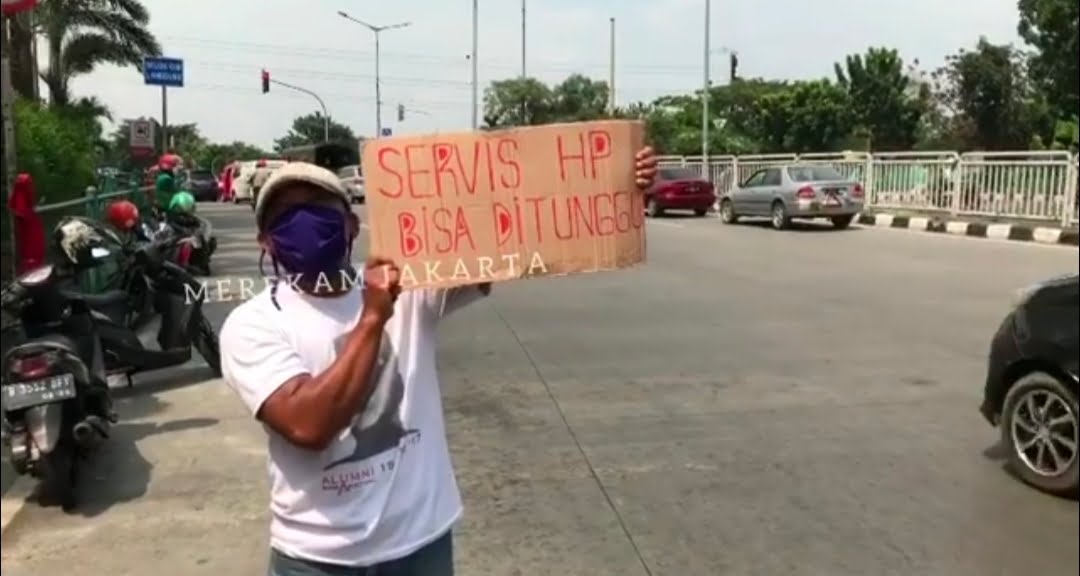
x=203, y=185
x=1031, y=385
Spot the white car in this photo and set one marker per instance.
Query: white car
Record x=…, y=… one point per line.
x=353, y=180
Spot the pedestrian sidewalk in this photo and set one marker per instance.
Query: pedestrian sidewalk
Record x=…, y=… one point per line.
x=1017, y=231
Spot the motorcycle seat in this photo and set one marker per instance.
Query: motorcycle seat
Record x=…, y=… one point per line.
x=105, y=299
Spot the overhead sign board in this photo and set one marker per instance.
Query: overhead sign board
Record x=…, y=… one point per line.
x=161, y=71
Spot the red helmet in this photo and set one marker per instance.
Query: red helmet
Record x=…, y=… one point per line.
x=122, y=214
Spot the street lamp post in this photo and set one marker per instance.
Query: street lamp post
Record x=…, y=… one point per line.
x=473, y=60
x=378, y=88
x=705, y=95
x=523, y=30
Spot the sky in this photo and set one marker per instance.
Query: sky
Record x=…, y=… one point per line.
x=659, y=50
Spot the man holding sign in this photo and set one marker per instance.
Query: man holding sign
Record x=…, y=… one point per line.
x=344, y=382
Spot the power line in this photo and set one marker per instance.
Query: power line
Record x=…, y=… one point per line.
x=323, y=74
x=351, y=98
x=441, y=85
x=353, y=55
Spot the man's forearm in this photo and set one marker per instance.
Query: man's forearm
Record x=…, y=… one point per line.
x=336, y=395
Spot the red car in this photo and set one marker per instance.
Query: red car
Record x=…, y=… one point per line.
x=679, y=189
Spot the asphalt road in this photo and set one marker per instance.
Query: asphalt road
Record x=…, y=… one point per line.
x=747, y=403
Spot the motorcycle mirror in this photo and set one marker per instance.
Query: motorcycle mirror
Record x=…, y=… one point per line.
x=36, y=276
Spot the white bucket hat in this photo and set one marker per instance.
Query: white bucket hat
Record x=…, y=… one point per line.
x=294, y=173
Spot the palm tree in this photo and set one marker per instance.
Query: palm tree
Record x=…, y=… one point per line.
x=81, y=34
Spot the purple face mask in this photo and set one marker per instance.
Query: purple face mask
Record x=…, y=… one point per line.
x=310, y=240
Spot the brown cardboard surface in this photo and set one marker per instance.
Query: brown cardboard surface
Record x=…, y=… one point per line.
x=467, y=208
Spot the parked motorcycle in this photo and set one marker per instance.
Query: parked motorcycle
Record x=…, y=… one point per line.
x=56, y=404
x=162, y=318
x=195, y=242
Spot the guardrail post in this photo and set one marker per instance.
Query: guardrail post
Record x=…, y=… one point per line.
x=868, y=180
x=957, y=182
x=93, y=278
x=91, y=205
x=1071, y=193
x=734, y=173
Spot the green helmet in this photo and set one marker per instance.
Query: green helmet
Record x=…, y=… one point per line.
x=182, y=202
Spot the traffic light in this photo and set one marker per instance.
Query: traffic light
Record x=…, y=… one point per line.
x=400, y=112
x=734, y=66
x=265, y=81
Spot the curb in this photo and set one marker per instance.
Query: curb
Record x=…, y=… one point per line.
x=996, y=231
x=14, y=499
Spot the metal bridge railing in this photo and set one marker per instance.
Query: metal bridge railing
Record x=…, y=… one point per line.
x=1029, y=185
x=92, y=205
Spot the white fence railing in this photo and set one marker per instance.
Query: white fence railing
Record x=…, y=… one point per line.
x=1033, y=185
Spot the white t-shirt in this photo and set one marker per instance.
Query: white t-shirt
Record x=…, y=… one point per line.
x=385, y=487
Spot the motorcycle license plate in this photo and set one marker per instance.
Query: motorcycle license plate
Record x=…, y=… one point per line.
x=19, y=395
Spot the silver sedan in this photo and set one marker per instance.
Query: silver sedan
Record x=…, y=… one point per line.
x=785, y=193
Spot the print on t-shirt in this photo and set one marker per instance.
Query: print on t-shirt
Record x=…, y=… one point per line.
x=378, y=429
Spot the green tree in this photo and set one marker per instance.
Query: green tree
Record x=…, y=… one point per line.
x=216, y=155
x=811, y=116
x=992, y=105
x=311, y=129
x=80, y=35
x=673, y=125
x=881, y=98
x=734, y=111
x=579, y=98
x=1051, y=27
x=518, y=102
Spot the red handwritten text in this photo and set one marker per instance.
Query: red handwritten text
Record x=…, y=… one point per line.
x=598, y=148
x=437, y=169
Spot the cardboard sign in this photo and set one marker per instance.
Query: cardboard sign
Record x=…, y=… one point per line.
x=454, y=209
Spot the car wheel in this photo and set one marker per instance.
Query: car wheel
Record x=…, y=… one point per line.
x=701, y=212
x=653, y=209
x=1039, y=428
x=780, y=220
x=841, y=222
x=727, y=212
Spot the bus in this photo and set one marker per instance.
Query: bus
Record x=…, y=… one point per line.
x=330, y=155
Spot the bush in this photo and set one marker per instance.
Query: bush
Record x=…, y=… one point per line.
x=57, y=150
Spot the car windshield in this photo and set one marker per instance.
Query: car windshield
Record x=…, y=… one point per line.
x=679, y=174
x=201, y=175
x=815, y=174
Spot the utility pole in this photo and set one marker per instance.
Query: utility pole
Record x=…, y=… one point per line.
x=611, y=71
x=473, y=59
x=378, y=91
x=705, y=95
x=377, y=30
x=7, y=98
x=523, y=70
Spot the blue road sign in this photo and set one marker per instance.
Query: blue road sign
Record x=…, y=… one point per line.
x=387, y=132
x=159, y=71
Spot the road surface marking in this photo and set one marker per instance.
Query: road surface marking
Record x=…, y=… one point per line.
x=667, y=224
